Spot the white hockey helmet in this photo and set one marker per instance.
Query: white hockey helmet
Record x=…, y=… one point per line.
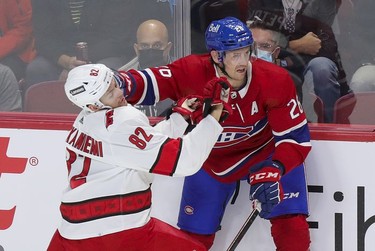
x=86, y=84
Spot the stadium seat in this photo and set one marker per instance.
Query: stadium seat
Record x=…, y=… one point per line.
x=318, y=107
x=355, y=108
x=48, y=97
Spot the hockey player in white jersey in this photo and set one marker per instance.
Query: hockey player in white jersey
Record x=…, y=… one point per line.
x=112, y=155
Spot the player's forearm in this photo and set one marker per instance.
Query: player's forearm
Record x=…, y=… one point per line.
x=291, y=155
x=217, y=111
x=135, y=86
x=173, y=127
x=197, y=145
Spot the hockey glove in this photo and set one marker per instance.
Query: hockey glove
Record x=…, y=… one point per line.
x=265, y=186
x=190, y=107
x=123, y=81
x=216, y=92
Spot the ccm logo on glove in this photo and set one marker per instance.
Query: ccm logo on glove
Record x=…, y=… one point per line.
x=267, y=174
x=265, y=186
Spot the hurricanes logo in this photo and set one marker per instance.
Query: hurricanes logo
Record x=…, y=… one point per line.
x=14, y=165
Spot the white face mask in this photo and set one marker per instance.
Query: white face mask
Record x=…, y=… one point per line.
x=265, y=55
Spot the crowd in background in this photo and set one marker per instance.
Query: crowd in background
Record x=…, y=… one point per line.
x=38, y=42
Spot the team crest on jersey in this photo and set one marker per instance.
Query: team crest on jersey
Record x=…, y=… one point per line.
x=189, y=210
x=233, y=135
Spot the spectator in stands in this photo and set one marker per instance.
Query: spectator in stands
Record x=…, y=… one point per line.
x=106, y=26
x=268, y=46
x=312, y=44
x=152, y=49
x=16, y=39
x=10, y=96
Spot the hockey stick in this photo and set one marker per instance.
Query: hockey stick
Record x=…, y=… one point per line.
x=249, y=221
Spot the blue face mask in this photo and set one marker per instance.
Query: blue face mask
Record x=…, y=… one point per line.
x=265, y=55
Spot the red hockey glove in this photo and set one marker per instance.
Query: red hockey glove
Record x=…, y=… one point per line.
x=190, y=107
x=265, y=186
x=124, y=82
x=216, y=92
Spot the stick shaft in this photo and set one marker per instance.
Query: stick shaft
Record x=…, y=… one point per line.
x=241, y=233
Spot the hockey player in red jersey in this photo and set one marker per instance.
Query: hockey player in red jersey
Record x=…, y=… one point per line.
x=265, y=140
x=112, y=154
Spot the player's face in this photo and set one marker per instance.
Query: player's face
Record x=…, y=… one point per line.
x=236, y=63
x=114, y=96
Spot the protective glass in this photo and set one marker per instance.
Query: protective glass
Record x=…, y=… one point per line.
x=151, y=58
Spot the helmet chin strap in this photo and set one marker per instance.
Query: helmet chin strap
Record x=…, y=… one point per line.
x=99, y=105
x=221, y=66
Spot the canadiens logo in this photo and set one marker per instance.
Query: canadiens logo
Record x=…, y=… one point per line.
x=189, y=210
x=233, y=135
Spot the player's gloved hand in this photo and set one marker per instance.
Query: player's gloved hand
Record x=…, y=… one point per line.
x=124, y=82
x=265, y=186
x=216, y=92
x=190, y=107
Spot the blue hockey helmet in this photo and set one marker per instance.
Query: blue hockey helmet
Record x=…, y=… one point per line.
x=228, y=34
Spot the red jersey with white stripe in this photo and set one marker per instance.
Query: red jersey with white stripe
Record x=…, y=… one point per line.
x=111, y=158
x=267, y=117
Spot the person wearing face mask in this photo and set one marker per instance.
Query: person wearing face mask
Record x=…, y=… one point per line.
x=152, y=49
x=264, y=54
x=267, y=41
x=268, y=45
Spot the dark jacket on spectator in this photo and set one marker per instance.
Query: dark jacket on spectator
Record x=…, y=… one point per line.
x=272, y=14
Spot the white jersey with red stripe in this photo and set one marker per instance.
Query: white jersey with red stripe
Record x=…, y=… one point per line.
x=111, y=158
x=267, y=120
